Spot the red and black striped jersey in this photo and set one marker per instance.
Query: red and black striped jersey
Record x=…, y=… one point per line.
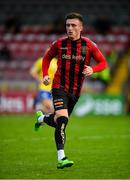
x=72, y=57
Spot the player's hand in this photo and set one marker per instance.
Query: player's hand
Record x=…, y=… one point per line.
x=87, y=71
x=46, y=80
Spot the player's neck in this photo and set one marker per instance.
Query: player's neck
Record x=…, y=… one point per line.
x=75, y=38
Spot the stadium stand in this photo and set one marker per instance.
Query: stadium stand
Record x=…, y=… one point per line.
x=26, y=47
x=36, y=20
x=44, y=12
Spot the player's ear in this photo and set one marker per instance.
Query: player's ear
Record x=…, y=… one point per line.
x=81, y=27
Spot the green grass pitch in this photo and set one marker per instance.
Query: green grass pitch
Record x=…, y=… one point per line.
x=98, y=145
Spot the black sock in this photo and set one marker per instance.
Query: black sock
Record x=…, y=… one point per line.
x=49, y=119
x=60, y=135
x=64, y=158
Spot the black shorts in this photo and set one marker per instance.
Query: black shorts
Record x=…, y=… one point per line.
x=63, y=100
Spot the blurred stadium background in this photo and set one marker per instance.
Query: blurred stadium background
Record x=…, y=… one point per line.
x=26, y=30
x=99, y=145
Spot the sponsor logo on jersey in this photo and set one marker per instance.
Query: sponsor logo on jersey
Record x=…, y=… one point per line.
x=73, y=57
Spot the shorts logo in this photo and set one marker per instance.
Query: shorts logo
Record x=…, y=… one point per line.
x=58, y=103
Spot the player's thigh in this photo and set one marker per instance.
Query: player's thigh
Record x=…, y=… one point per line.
x=60, y=102
x=71, y=104
x=61, y=112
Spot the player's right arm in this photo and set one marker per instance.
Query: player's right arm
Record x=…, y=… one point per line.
x=49, y=55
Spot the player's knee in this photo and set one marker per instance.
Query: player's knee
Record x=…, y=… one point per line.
x=62, y=120
x=61, y=113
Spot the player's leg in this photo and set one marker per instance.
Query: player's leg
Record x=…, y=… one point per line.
x=58, y=120
x=47, y=104
x=71, y=104
x=47, y=107
x=61, y=119
x=42, y=118
x=61, y=136
x=49, y=118
x=60, y=101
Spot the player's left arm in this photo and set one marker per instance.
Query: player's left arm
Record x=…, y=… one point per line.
x=99, y=58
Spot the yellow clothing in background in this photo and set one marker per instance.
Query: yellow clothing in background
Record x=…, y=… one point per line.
x=52, y=69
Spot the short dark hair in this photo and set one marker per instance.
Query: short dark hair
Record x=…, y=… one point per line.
x=74, y=15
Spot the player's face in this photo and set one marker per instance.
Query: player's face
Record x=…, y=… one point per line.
x=73, y=28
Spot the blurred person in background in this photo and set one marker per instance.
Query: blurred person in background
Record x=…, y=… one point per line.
x=74, y=53
x=43, y=99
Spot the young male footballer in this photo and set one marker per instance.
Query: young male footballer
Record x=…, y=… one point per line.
x=74, y=53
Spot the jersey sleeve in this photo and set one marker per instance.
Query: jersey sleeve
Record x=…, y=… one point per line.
x=49, y=55
x=98, y=57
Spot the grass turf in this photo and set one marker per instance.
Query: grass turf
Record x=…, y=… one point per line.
x=98, y=145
